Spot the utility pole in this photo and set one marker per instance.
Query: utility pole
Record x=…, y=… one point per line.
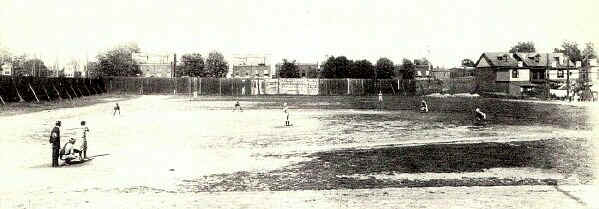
x=547, y=77
x=568, y=80
x=174, y=65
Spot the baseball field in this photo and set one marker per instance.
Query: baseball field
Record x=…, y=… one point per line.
x=340, y=152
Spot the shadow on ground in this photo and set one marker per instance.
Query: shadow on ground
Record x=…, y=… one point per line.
x=323, y=171
x=76, y=163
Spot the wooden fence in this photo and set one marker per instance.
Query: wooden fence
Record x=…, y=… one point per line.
x=36, y=89
x=241, y=87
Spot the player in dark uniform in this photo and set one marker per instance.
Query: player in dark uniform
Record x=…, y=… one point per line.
x=55, y=141
x=423, y=106
x=116, y=108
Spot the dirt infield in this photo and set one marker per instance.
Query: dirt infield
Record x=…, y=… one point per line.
x=170, y=152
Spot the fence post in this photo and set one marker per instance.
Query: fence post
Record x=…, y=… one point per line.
x=34, y=94
x=200, y=86
x=57, y=92
x=220, y=88
x=348, y=93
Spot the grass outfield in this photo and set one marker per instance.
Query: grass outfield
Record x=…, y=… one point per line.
x=16, y=108
x=172, y=147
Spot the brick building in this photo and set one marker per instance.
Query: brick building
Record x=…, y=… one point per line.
x=154, y=65
x=251, y=71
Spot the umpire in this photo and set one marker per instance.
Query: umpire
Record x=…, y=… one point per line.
x=55, y=141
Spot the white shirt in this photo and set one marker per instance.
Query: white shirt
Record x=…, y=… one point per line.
x=68, y=148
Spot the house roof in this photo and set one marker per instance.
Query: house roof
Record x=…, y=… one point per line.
x=540, y=59
x=499, y=59
x=503, y=59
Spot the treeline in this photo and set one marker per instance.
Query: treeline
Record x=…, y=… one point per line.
x=119, y=61
x=36, y=89
x=341, y=67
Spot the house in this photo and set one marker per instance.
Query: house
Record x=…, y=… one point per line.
x=441, y=74
x=521, y=74
x=251, y=71
x=6, y=69
x=460, y=72
x=154, y=65
x=422, y=71
x=590, y=75
x=306, y=70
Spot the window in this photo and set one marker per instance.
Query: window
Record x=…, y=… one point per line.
x=560, y=73
x=515, y=73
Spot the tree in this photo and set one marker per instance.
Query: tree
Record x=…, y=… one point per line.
x=384, y=68
x=192, y=65
x=523, y=47
x=570, y=49
x=328, y=68
x=588, y=53
x=422, y=61
x=361, y=69
x=118, y=61
x=92, y=70
x=467, y=63
x=336, y=67
x=35, y=67
x=289, y=70
x=216, y=66
x=18, y=67
x=407, y=68
x=5, y=55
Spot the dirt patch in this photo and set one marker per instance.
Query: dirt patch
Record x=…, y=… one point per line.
x=329, y=169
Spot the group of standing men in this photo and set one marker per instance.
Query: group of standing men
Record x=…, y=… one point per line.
x=70, y=149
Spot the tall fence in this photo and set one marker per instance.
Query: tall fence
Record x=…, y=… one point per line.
x=241, y=87
x=36, y=89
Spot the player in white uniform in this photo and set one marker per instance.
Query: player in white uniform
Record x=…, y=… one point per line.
x=380, y=103
x=286, y=112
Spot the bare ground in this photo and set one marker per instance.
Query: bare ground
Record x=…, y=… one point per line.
x=169, y=152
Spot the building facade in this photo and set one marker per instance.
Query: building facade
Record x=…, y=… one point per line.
x=6, y=69
x=251, y=71
x=521, y=74
x=154, y=65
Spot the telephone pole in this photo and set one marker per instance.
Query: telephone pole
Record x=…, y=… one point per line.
x=547, y=77
x=568, y=80
x=174, y=65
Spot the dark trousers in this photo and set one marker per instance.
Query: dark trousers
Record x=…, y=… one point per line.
x=55, y=152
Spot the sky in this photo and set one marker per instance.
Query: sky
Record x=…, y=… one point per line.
x=306, y=31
